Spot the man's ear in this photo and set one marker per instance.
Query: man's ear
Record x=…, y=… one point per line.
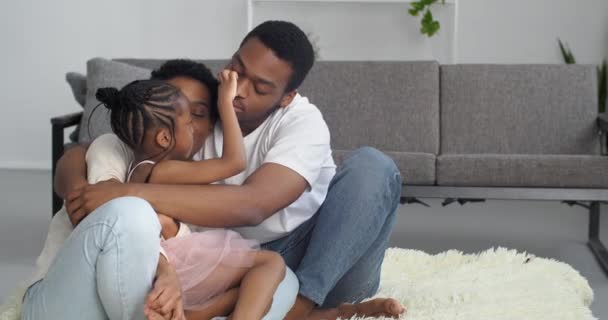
x=287, y=98
x=163, y=138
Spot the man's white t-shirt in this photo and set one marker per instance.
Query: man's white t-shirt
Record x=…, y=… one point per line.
x=296, y=137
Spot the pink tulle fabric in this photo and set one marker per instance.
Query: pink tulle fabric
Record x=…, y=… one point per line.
x=208, y=263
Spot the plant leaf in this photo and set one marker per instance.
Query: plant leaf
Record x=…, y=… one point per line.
x=428, y=17
x=418, y=6
x=602, y=82
x=566, y=53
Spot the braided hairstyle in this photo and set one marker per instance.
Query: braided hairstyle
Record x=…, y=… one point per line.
x=140, y=105
x=289, y=43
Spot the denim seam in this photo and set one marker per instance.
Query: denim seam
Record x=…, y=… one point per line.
x=363, y=291
x=97, y=224
x=121, y=290
x=118, y=250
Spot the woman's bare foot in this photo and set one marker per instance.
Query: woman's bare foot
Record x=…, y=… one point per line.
x=380, y=307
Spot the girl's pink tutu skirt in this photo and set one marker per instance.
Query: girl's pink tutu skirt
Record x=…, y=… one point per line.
x=209, y=263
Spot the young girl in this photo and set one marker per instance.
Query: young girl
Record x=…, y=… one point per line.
x=153, y=119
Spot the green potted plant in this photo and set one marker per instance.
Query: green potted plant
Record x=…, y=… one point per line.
x=602, y=74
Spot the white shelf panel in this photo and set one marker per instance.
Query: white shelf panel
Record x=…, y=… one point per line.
x=349, y=1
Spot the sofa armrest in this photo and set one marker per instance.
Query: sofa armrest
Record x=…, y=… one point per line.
x=57, y=140
x=67, y=120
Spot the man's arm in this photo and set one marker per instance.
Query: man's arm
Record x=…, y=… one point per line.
x=269, y=189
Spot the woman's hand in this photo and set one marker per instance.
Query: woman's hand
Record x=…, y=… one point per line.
x=153, y=315
x=165, y=299
x=81, y=202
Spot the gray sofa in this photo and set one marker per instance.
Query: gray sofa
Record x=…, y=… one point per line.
x=458, y=132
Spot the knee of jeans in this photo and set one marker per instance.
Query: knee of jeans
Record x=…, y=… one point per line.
x=371, y=164
x=135, y=217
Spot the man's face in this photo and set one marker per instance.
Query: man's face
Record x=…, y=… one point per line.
x=263, y=78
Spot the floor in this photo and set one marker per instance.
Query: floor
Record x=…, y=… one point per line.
x=547, y=229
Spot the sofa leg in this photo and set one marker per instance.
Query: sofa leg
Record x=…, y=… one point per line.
x=57, y=150
x=595, y=244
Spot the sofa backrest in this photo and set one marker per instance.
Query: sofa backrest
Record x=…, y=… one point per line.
x=393, y=106
x=519, y=109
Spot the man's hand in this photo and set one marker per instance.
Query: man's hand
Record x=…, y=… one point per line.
x=166, y=296
x=84, y=200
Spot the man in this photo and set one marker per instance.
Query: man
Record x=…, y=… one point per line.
x=331, y=226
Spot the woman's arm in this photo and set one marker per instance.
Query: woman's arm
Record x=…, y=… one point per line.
x=71, y=172
x=104, y=160
x=233, y=159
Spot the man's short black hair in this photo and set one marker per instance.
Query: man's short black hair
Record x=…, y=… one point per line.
x=289, y=43
x=194, y=70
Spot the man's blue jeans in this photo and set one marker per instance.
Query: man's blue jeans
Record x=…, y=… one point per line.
x=337, y=254
x=107, y=265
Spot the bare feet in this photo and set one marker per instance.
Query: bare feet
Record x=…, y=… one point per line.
x=380, y=307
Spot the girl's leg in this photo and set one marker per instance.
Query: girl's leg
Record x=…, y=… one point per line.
x=284, y=297
x=221, y=305
x=105, y=268
x=282, y=301
x=259, y=285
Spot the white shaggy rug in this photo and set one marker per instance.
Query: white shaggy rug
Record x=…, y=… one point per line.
x=495, y=284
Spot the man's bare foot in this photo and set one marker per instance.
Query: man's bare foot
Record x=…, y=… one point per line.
x=301, y=309
x=380, y=307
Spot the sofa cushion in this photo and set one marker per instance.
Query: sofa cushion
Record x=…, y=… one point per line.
x=392, y=106
x=78, y=84
x=519, y=109
x=499, y=170
x=104, y=73
x=416, y=168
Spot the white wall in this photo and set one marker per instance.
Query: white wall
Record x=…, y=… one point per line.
x=41, y=40
x=526, y=31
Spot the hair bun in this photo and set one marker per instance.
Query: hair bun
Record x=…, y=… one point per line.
x=109, y=97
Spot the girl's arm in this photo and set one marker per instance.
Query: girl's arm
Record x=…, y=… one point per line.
x=233, y=159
